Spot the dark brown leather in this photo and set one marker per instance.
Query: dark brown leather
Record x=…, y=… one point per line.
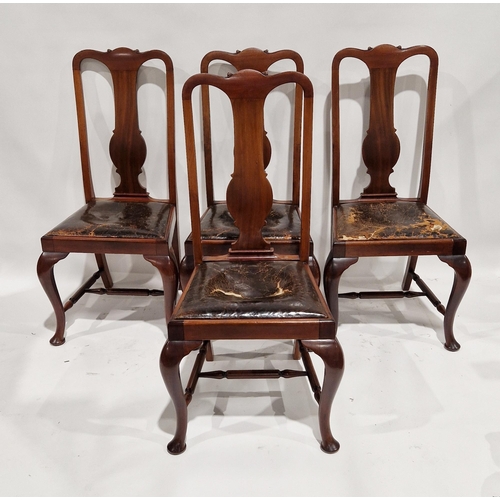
x=390, y=220
x=261, y=290
x=282, y=223
x=117, y=219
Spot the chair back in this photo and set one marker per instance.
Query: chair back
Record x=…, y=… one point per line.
x=259, y=60
x=249, y=194
x=127, y=148
x=381, y=146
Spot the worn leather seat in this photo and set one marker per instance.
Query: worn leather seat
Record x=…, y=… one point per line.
x=262, y=290
x=391, y=220
x=117, y=219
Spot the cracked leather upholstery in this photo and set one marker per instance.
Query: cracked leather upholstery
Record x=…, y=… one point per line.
x=389, y=220
x=118, y=219
x=261, y=290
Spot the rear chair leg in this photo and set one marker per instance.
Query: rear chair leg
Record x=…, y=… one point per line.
x=408, y=276
x=102, y=264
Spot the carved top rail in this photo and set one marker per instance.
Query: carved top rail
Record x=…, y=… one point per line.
x=252, y=58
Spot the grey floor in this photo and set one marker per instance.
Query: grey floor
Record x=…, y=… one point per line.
x=92, y=418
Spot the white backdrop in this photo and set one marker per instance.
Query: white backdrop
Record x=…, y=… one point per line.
x=39, y=155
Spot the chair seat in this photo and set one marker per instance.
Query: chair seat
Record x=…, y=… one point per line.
x=260, y=290
x=367, y=221
x=117, y=219
x=282, y=223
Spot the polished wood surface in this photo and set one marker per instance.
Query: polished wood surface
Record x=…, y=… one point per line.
x=130, y=221
x=251, y=291
x=379, y=222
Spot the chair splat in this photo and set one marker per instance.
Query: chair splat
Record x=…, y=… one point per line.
x=249, y=185
x=381, y=146
x=127, y=147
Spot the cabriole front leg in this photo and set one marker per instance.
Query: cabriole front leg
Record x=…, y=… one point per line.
x=463, y=272
x=331, y=354
x=45, y=271
x=170, y=358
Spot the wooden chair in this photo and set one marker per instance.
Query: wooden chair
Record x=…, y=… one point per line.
x=379, y=223
x=251, y=292
x=130, y=222
x=283, y=223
